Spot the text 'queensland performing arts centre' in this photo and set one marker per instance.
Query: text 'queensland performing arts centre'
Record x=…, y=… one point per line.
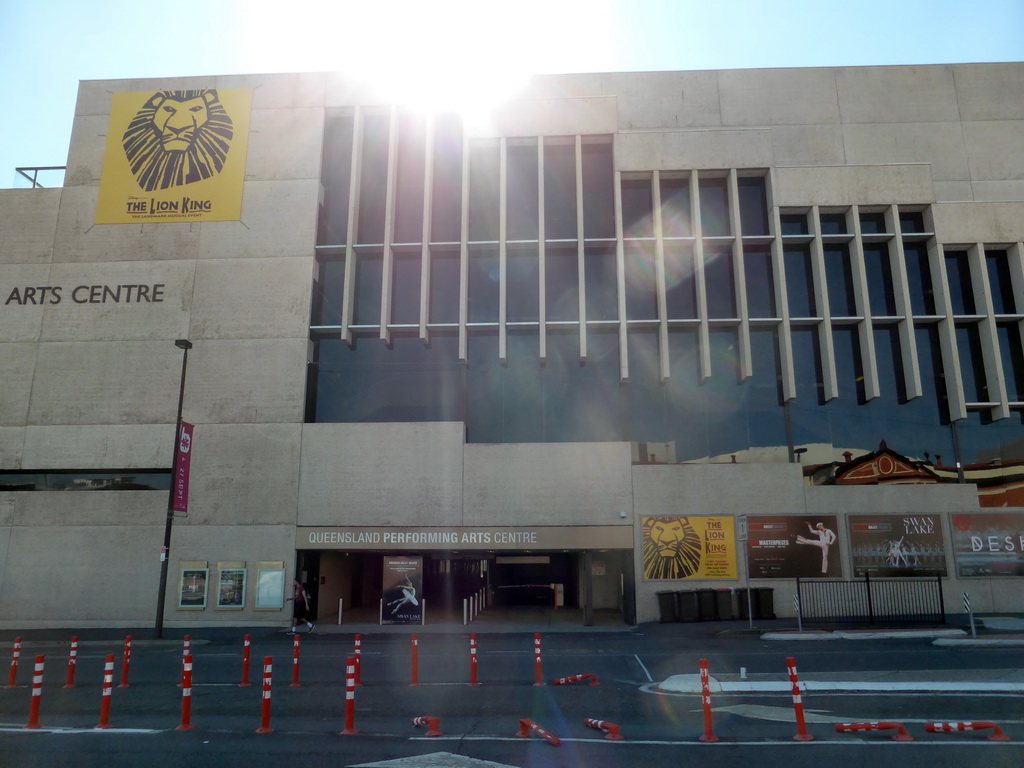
x=629, y=346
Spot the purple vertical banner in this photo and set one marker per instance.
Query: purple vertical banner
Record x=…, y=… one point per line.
x=184, y=463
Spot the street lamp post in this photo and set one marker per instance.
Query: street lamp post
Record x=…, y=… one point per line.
x=165, y=554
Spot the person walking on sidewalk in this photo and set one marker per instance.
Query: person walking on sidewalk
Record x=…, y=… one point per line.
x=300, y=607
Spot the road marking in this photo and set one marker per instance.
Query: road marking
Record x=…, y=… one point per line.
x=787, y=715
x=690, y=684
x=69, y=731
x=435, y=760
x=646, y=672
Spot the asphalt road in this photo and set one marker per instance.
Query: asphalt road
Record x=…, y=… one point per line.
x=660, y=727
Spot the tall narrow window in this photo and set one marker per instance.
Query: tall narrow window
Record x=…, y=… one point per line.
x=676, y=207
x=919, y=279
x=373, y=184
x=719, y=282
x=753, y=199
x=560, y=189
x=405, y=288
x=446, y=197
x=972, y=363
x=680, y=285
x=335, y=175
x=839, y=279
x=523, y=271
x=484, y=180
x=999, y=282
x=637, y=208
x=444, y=286
x=562, y=284
x=409, y=187
x=799, y=282
x=369, y=277
x=599, y=271
x=757, y=264
x=598, y=187
x=641, y=289
x=714, y=208
x=958, y=275
x=483, y=284
x=879, y=276
x=522, y=190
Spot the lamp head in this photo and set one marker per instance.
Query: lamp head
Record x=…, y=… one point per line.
x=183, y=344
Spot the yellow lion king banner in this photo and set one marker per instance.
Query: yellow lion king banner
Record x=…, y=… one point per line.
x=175, y=156
x=689, y=548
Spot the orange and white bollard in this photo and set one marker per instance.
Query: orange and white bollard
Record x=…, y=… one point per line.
x=472, y=661
x=901, y=732
x=359, y=661
x=537, y=661
x=576, y=679
x=433, y=724
x=72, y=663
x=37, y=694
x=798, y=704
x=997, y=734
x=186, y=696
x=295, y=663
x=108, y=686
x=186, y=650
x=126, y=661
x=268, y=667
x=526, y=727
x=611, y=730
x=246, y=649
x=350, y=697
x=415, y=662
x=12, y=677
x=705, y=696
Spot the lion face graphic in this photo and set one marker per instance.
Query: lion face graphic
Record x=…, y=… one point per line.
x=671, y=548
x=178, y=138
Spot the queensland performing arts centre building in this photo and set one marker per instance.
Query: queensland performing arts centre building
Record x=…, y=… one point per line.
x=620, y=336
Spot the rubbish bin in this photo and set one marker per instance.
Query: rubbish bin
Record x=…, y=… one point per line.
x=724, y=603
x=668, y=607
x=707, y=605
x=764, y=603
x=689, y=610
x=741, y=603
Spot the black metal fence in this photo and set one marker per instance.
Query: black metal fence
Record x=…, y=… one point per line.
x=872, y=601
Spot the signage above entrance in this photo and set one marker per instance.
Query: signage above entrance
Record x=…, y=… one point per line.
x=473, y=537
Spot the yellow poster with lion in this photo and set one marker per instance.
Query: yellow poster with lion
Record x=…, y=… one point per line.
x=175, y=156
x=689, y=548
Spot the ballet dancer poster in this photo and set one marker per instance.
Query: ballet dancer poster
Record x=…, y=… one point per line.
x=403, y=591
x=897, y=545
x=788, y=547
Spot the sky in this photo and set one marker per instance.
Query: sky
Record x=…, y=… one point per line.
x=412, y=47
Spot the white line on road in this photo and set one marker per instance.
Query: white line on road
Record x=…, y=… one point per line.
x=646, y=672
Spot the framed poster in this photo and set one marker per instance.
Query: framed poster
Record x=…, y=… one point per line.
x=231, y=588
x=403, y=590
x=270, y=588
x=689, y=548
x=897, y=545
x=192, y=589
x=988, y=544
x=790, y=547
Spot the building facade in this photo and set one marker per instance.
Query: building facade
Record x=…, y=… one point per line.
x=622, y=334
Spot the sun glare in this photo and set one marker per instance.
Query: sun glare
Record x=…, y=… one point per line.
x=435, y=56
